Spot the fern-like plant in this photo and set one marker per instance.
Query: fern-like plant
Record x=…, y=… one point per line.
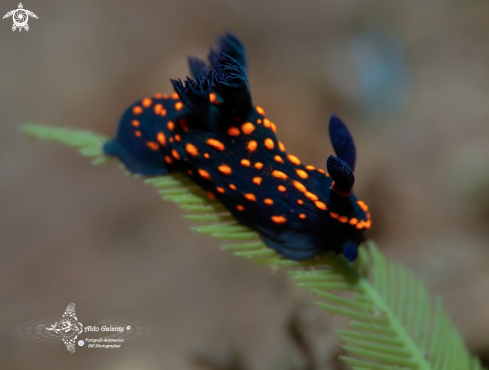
x=395, y=323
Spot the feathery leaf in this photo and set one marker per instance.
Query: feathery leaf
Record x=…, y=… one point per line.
x=396, y=325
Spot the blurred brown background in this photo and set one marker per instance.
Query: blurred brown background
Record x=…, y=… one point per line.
x=411, y=80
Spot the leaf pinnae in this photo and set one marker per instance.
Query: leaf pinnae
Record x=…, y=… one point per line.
x=396, y=324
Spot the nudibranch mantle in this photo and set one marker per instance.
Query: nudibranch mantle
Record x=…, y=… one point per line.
x=209, y=130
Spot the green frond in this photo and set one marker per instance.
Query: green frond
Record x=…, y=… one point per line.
x=209, y=218
x=395, y=323
x=88, y=144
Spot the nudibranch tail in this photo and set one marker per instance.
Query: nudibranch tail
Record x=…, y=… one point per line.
x=139, y=159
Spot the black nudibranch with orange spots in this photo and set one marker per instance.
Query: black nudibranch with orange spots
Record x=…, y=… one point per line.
x=210, y=130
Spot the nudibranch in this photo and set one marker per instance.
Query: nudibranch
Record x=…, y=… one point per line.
x=210, y=130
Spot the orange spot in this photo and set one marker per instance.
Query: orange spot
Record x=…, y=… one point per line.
x=212, y=97
x=279, y=219
x=260, y=110
x=157, y=108
x=158, y=96
x=163, y=113
x=294, y=159
x=268, y=201
x=266, y=123
x=362, y=205
x=189, y=172
x=225, y=169
x=137, y=110
x=302, y=174
x=310, y=168
x=353, y=221
x=311, y=196
x=343, y=219
x=257, y=180
x=135, y=123
x=174, y=95
x=233, y=131
x=240, y=208
x=252, y=145
x=320, y=170
x=281, y=188
x=206, y=155
x=211, y=196
x=334, y=215
x=152, y=145
x=146, y=102
x=302, y=215
x=184, y=125
x=168, y=160
x=165, y=96
x=248, y=128
x=278, y=159
x=175, y=154
x=171, y=125
x=274, y=128
x=191, y=149
x=258, y=165
x=232, y=187
x=204, y=174
x=245, y=163
x=269, y=144
x=321, y=205
x=216, y=144
x=221, y=190
x=177, y=137
x=250, y=197
x=258, y=121
x=300, y=201
x=178, y=105
x=279, y=175
x=161, y=138
x=281, y=146
x=171, y=140
x=138, y=133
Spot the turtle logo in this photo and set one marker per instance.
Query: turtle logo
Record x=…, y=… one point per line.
x=68, y=328
x=20, y=17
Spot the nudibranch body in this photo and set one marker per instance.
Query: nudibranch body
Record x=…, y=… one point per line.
x=209, y=130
